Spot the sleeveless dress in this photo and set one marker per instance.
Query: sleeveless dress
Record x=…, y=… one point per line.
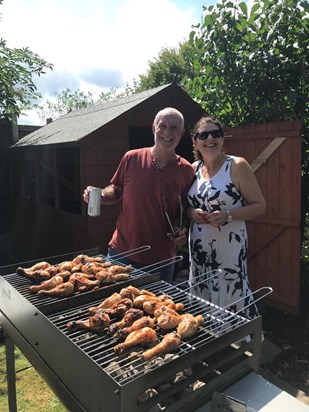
x=223, y=247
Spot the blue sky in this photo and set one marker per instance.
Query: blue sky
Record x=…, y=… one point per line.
x=96, y=44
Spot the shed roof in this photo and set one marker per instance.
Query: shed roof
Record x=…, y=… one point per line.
x=77, y=124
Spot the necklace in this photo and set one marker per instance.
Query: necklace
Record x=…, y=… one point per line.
x=163, y=164
x=155, y=163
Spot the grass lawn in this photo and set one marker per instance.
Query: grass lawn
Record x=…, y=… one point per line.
x=33, y=395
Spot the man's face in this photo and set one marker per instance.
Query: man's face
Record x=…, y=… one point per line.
x=168, y=131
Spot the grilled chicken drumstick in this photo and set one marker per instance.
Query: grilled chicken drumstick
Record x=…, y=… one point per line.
x=170, y=342
x=106, y=278
x=151, y=306
x=96, y=323
x=38, y=272
x=141, y=299
x=47, y=284
x=33, y=268
x=132, y=292
x=62, y=290
x=107, y=303
x=112, y=270
x=145, y=321
x=167, y=318
x=82, y=283
x=142, y=337
x=188, y=325
x=130, y=317
x=119, y=309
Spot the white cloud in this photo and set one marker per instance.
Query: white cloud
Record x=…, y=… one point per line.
x=98, y=43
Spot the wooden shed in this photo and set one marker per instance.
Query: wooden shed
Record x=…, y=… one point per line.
x=51, y=167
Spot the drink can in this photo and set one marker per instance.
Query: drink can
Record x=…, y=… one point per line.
x=94, y=204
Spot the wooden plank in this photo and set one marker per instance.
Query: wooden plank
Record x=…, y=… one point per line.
x=271, y=236
x=266, y=153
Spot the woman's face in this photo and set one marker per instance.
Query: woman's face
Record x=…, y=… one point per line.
x=209, y=140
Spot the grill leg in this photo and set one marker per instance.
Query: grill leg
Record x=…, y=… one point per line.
x=10, y=370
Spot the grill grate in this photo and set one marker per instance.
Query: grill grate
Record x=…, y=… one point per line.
x=99, y=347
x=21, y=284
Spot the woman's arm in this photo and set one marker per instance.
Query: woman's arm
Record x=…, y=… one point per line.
x=245, y=181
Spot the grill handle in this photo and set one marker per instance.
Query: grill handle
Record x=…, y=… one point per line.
x=157, y=266
x=215, y=272
x=268, y=292
x=131, y=252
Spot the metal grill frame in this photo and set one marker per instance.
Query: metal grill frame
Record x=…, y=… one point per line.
x=82, y=385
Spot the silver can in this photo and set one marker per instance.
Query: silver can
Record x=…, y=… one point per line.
x=94, y=204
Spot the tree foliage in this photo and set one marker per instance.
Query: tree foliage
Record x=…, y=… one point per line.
x=251, y=66
x=68, y=100
x=17, y=88
x=170, y=65
x=64, y=102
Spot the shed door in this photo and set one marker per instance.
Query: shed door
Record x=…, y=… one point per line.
x=274, y=152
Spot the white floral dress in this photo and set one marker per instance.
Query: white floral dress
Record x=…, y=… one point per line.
x=223, y=247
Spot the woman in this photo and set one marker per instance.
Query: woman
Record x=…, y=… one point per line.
x=224, y=195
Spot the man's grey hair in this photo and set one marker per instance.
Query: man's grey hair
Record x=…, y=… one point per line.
x=167, y=111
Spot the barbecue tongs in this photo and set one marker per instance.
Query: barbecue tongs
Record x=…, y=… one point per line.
x=174, y=233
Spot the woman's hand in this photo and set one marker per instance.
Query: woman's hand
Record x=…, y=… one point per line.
x=217, y=218
x=199, y=216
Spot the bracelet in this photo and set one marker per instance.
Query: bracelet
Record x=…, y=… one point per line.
x=229, y=216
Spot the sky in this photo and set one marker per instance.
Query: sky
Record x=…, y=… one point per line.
x=95, y=45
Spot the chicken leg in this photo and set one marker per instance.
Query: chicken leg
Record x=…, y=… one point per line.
x=170, y=342
x=141, y=337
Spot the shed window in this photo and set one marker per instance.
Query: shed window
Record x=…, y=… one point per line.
x=51, y=177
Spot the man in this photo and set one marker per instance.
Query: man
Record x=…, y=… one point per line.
x=144, y=180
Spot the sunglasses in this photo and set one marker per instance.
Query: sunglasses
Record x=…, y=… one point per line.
x=216, y=134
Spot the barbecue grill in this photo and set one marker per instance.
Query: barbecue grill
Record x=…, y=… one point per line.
x=83, y=370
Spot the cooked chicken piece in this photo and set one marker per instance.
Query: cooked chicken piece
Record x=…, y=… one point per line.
x=130, y=317
x=37, y=276
x=63, y=290
x=119, y=269
x=188, y=325
x=82, y=283
x=94, y=267
x=168, y=321
x=47, y=284
x=77, y=267
x=163, y=309
x=132, y=292
x=102, y=274
x=35, y=267
x=83, y=275
x=65, y=274
x=38, y=272
x=80, y=259
x=112, y=278
x=139, y=300
x=67, y=266
x=167, y=318
x=119, y=309
x=142, y=337
x=145, y=321
x=170, y=342
x=151, y=305
x=96, y=323
x=107, y=303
